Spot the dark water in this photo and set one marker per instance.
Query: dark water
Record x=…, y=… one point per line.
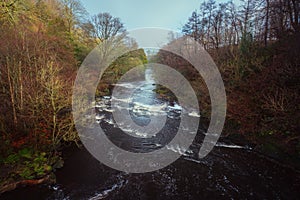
x=228, y=172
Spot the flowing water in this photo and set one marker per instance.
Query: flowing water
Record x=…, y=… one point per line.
x=229, y=172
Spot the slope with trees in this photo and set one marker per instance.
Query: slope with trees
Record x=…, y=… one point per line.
x=256, y=47
x=42, y=44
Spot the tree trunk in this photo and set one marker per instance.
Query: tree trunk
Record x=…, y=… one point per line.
x=267, y=23
x=11, y=91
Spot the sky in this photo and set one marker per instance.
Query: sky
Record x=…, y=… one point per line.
x=168, y=14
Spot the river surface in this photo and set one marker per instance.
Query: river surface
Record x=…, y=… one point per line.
x=230, y=171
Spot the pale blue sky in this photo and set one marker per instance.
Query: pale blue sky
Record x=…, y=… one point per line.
x=169, y=14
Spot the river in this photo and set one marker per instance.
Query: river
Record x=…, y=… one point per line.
x=230, y=171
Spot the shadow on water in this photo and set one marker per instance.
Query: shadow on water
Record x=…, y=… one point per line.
x=228, y=172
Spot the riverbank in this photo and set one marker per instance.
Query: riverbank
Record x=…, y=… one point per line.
x=275, y=156
x=263, y=94
x=27, y=167
x=235, y=168
x=228, y=171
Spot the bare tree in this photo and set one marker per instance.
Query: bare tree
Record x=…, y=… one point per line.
x=266, y=34
x=208, y=9
x=293, y=11
x=73, y=12
x=247, y=13
x=193, y=27
x=107, y=26
x=218, y=19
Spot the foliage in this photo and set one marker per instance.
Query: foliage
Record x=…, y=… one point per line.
x=39, y=53
x=36, y=167
x=256, y=47
x=119, y=67
x=246, y=44
x=42, y=43
x=190, y=73
x=30, y=164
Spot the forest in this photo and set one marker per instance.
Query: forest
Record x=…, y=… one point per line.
x=42, y=46
x=256, y=48
x=255, y=45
